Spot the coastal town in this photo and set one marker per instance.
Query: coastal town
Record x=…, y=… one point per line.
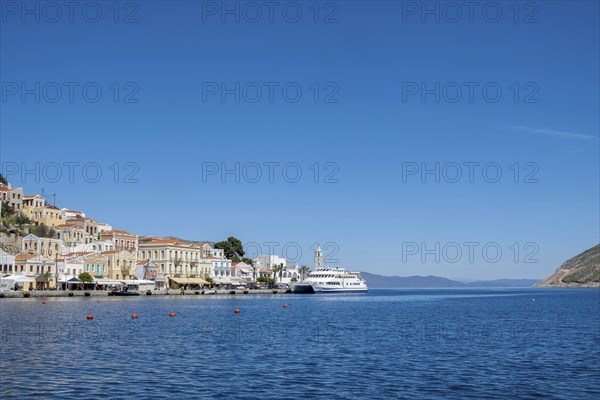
x=46, y=247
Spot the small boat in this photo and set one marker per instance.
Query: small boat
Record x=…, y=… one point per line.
x=122, y=293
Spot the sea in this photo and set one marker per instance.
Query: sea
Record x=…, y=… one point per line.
x=386, y=344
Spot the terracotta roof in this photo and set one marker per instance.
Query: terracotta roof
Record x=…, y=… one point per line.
x=234, y=263
x=65, y=226
x=109, y=251
x=118, y=231
x=143, y=262
x=75, y=211
x=78, y=253
x=4, y=189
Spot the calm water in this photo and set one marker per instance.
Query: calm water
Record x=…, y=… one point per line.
x=521, y=343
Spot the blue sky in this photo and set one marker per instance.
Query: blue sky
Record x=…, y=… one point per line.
x=371, y=61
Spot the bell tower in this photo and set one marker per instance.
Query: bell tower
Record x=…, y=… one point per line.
x=318, y=258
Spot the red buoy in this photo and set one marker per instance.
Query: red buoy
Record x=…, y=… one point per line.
x=171, y=314
x=90, y=316
x=237, y=311
x=134, y=315
x=285, y=306
x=43, y=301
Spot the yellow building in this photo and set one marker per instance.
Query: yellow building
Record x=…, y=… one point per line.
x=121, y=264
x=72, y=234
x=35, y=208
x=39, y=268
x=122, y=240
x=174, y=258
x=96, y=265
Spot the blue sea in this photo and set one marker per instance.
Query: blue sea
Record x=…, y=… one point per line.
x=387, y=344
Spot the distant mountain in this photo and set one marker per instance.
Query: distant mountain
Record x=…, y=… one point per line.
x=380, y=281
x=583, y=270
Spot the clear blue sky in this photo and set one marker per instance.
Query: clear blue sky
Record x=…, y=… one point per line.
x=369, y=59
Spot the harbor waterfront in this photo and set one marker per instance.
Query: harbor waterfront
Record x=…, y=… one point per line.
x=163, y=292
x=403, y=343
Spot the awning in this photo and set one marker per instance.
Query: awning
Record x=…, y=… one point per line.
x=18, y=278
x=107, y=282
x=223, y=281
x=189, y=281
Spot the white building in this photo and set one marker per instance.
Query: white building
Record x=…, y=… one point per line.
x=68, y=214
x=94, y=247
x=7, y=263
x=221, y=266
x=269, y=261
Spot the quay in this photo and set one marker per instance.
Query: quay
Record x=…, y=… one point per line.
x=171, y=292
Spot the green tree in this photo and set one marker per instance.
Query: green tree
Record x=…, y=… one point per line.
x=232, y=248
x=3, y=180
x=278, y=269
x=268, y=281
x=85, y=277
x=22, y=220
x=42, y=230
x=304, y=270
x=248, y=261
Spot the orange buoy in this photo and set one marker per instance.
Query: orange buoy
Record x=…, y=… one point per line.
x=171, y=314
x=237, y=311
x=43, y=301
x=134, y=315
x=90, y=316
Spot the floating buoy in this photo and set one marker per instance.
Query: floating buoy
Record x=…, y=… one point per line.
x=134, y=315
x=285, y=306
x=43, y=301
x=90, y=316
x=99, y=302
x=237, y=311
x=171, y=314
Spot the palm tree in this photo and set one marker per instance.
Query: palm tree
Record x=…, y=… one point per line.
x=304, y=270
x=277, y=269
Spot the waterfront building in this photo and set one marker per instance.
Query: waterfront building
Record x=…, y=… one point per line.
x=40, y=268
x=174, y=259
x=121, y=264
x=7, y=263
x=96, y=265
x=146, y=270
x=243, y=271
x=268, y=261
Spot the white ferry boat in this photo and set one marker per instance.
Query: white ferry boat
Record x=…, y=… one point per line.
x=331, y=280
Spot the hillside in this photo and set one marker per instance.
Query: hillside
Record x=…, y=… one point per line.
x=583, y=270
x=380, y=281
